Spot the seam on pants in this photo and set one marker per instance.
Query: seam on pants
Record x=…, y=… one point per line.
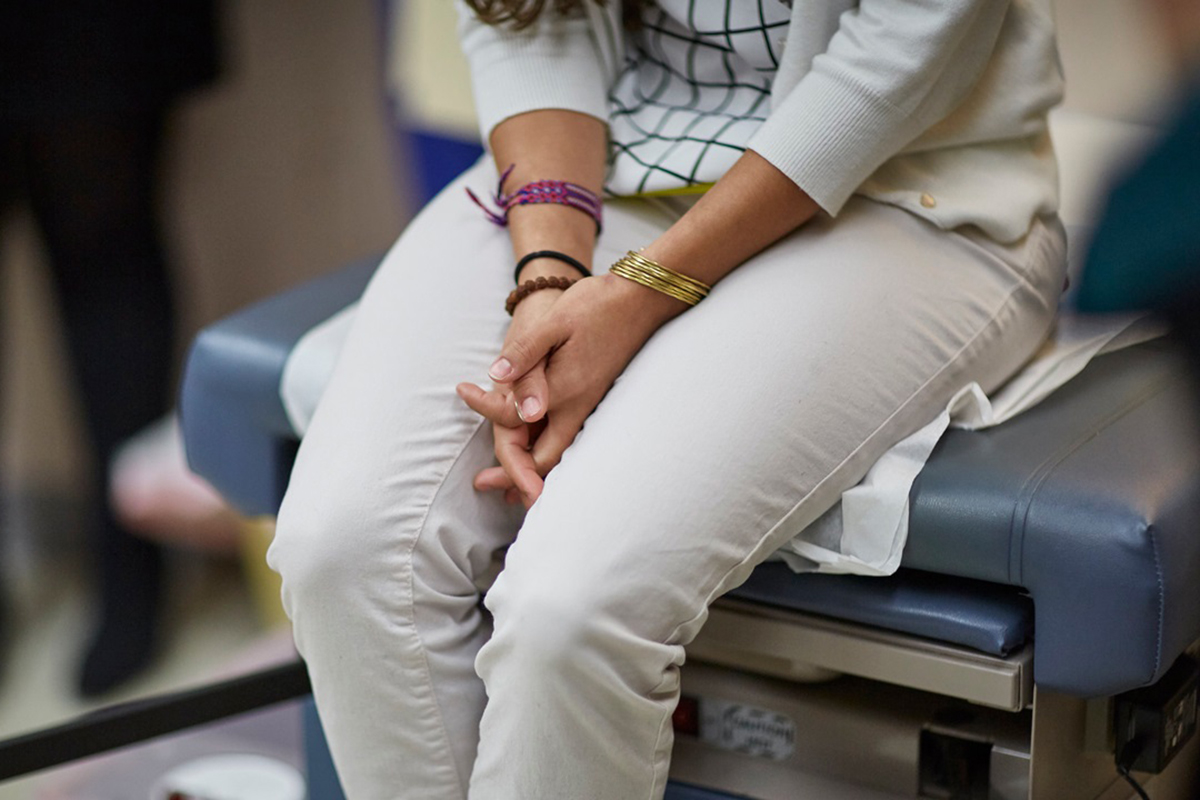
x=424, y=659
x=1023, y=283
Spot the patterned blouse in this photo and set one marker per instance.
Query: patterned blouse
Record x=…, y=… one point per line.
x=695, y=86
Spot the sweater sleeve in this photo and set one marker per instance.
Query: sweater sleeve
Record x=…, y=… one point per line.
x=891, y=71
x=554, y=63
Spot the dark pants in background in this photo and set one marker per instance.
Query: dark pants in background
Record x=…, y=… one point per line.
x=89, y=182
x=85, y=89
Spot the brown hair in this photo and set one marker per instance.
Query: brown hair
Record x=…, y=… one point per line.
x=522, y=13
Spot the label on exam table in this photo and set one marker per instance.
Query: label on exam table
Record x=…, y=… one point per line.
x=742, y=728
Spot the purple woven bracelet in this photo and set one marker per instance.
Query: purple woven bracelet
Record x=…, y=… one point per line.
x=543, y=191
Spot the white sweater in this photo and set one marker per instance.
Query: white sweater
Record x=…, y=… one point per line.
x=936, y=106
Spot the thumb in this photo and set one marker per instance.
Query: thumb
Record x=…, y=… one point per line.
x=524, y=351
x=531, y=394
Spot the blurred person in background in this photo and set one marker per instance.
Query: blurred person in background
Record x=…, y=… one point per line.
x=86, y=90
x=1146, y=252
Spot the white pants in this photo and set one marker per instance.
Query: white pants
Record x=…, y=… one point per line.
x=738, y=424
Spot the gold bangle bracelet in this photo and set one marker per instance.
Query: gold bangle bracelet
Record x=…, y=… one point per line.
x=637, y=276
x=667, y=274
x=639, y=269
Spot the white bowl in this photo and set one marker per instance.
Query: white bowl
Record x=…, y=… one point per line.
x=232, y=776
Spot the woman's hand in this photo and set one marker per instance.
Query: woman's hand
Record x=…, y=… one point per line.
x=562, y=363
x=557, y=369
x=516, y=475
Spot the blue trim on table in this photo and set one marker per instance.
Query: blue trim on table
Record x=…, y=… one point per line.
x=685, y=791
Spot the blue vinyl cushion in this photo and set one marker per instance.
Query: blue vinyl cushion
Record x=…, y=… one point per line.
x=1091, y=502
x=988, y=617
x=235, y=429
x=684, y=791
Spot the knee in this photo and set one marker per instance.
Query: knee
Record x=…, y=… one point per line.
x=320, y=544
x=344, y=542
x=571, y=629
x=540, y=618
x=539, y=634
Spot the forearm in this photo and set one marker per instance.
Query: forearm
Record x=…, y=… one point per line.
x=558, y=145
x=750, y=208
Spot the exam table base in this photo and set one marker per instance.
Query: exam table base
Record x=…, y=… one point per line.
x=860, y=736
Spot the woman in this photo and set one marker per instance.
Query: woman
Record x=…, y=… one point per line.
x=880, y=231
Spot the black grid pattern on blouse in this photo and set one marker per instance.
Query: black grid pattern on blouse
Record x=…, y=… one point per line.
x=692, y=92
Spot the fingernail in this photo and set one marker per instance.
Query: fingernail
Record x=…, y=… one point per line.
x=530, y=407
x=500, y=370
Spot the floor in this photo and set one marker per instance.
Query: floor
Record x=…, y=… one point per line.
x=210, y=622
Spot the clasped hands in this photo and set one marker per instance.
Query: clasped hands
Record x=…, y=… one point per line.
x=563, y=352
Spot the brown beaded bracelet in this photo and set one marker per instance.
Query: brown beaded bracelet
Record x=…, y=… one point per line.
x=537, y=284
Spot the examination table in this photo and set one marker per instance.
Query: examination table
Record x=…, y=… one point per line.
x=1052, y=567
x=1053, y=562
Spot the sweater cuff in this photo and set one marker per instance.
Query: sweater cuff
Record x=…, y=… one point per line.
x=829, y=134
x=516, y=72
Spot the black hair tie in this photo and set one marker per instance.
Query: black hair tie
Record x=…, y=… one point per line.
x=554, y=254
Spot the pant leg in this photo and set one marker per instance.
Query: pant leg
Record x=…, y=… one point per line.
x=9, y=192
x=381, y=537
x=92, y=188
x=738, y=424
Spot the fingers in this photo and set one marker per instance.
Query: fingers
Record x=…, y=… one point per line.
x=523, y=352
x=512, y=451
x=493, y=479
x=496, y=406
x=522, y=467
x=496, y=479
x=527, y=403
x=561, y=430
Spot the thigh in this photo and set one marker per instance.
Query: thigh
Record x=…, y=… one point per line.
x=744, y=419
x=389, y=428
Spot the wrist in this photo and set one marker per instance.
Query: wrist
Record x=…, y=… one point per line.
x=651, y=305
x=552, y=227
x=536, y=304
x=549, y=268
